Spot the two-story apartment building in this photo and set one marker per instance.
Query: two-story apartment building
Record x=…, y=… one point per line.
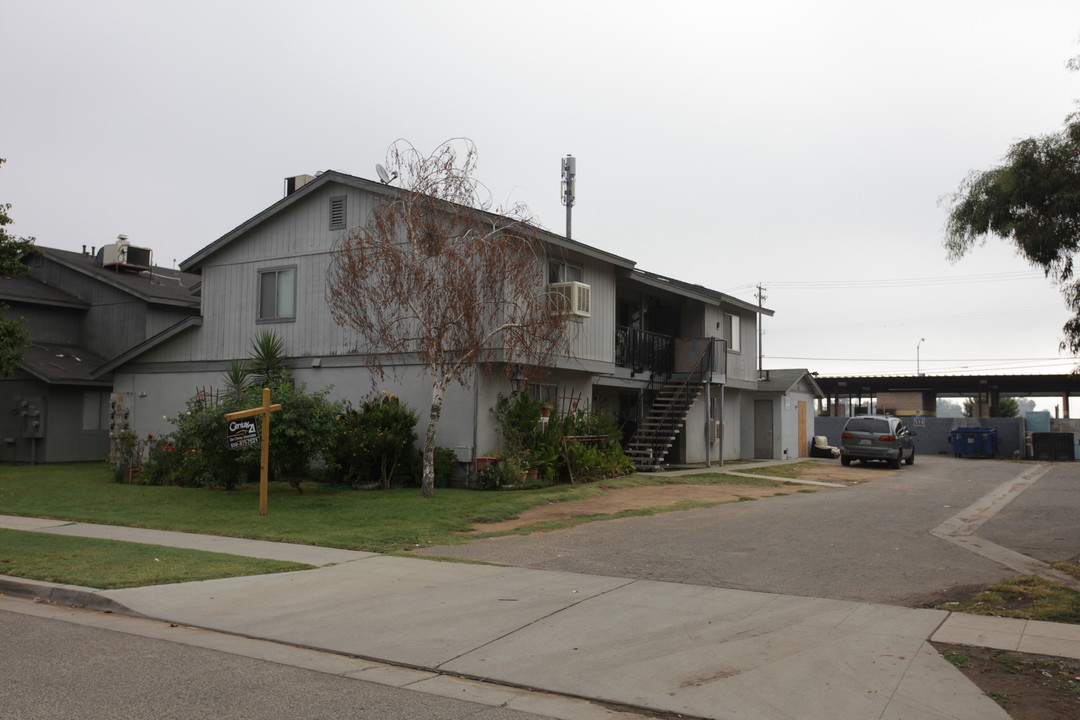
x=82, y=309
x=638, y=333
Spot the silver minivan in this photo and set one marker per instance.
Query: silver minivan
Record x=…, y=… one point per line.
x=877, y=437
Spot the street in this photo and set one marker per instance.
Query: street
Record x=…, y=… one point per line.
x=57, y=670
x=869, y=542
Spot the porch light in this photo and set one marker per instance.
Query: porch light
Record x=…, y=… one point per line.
x=519, y=381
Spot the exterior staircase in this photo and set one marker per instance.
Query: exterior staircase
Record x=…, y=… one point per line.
x=666, y=417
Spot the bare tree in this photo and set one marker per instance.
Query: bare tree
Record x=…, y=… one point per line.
x=436, y=278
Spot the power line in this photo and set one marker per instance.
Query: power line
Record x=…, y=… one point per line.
x=906, y=282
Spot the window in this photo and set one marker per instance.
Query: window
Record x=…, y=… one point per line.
x=733, y=332
x=560, y=271
x=865, y=424
x=337, y=213
x=277, y=294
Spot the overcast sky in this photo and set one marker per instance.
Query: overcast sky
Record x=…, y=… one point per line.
x=803, y=145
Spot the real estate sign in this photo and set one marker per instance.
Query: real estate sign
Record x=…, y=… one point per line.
x=242, y=434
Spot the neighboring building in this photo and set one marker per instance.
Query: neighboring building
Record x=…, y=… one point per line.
x=82, y=309
x=640, y=332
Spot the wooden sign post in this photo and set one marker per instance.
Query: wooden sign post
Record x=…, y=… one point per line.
x=265, y=410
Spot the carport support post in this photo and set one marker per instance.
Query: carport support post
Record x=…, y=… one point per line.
x=1065, y=405
x=264, y=475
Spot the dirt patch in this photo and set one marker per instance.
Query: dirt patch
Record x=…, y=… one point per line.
x=826, y=472
x=616, y=500
x=1032, y=687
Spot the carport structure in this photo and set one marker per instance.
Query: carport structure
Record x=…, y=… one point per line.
x=860, y=390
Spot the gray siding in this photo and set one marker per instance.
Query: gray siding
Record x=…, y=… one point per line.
x=49, y=324
x=65, y=439
x=593, y=338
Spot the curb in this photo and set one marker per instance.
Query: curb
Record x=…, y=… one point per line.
x=60, y=594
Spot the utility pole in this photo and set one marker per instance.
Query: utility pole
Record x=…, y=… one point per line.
x=761, y=297
x=569, y=173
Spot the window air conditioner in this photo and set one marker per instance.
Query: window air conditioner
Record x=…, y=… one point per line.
x=570, y=298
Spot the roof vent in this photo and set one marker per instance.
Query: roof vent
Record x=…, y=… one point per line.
x=122, y=255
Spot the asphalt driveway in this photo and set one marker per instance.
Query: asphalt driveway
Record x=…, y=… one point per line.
x=868, y=542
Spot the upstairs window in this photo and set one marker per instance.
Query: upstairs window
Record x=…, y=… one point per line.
x=337, y=213
x=560, y=271
x=277, y=294
x=733, y=332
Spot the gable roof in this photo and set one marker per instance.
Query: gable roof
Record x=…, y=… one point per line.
x=161, y=286
x=785, y=380
x=193, y=263
x=699, y=292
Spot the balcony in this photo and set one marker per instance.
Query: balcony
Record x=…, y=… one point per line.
x=643, y=351
x=649, y=352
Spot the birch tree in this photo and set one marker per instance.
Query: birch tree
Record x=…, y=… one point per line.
x=438, y=278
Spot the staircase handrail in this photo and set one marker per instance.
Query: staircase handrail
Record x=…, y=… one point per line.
x=697, y=371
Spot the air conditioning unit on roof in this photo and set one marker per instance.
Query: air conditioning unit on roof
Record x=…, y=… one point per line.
x=122, y=254
x=570, y=298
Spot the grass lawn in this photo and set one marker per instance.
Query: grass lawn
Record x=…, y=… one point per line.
x=789, y=470
x=1029, y=597
x=109, y=564
x=377, y=521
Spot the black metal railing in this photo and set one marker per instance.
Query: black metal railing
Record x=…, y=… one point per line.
x=644, y=351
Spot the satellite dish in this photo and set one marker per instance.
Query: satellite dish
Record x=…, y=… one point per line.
x=383, y=175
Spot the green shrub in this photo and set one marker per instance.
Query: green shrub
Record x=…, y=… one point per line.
x=518, y=416
x=551, y=448
x=499, y=475
x=197, y=454
x=445, y=459
x=377, y=443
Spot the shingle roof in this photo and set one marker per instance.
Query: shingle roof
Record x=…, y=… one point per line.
x=28, y=289
x=159, y=285
x=62, y=364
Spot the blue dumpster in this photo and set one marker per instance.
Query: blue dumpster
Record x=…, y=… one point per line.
x=974, y=442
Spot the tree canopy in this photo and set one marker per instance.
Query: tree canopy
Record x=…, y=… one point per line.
x=13, y=249
x=1033, y=201
x=1007, y=407
x=13, y=332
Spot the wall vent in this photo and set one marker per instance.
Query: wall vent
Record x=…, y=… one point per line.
x=337, y=213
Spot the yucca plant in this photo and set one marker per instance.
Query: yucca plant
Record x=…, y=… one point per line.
x=268, y=361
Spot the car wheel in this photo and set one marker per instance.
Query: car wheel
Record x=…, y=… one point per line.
x=911, y=460
x=845, y=460
x=895, y=464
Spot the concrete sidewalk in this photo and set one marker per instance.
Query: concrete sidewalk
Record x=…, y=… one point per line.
x=697, y=651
